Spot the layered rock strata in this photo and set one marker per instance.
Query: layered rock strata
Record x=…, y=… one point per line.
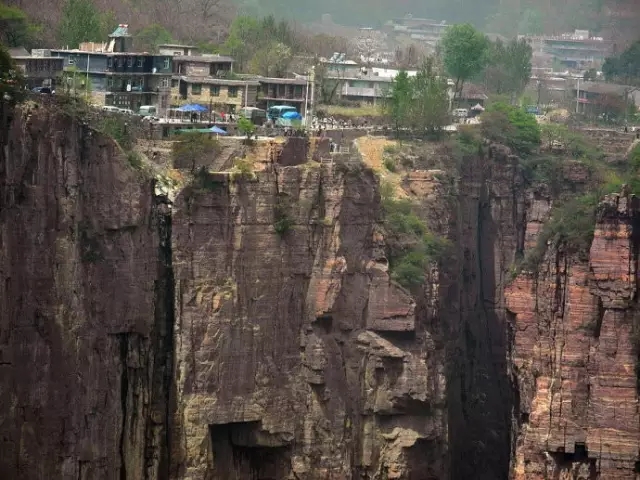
x=575, y=351
x=297, y=356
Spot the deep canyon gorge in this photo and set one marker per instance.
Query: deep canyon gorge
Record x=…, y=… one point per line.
x=153, y=336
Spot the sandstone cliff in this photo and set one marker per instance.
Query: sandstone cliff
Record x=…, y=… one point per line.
x=85, y=306
x=247, y=327
x=252, y=333
x=575, y=351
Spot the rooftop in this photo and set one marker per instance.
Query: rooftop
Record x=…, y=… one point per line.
x=217, y=81
x=18, y=52
x=203, y=58
x=87, y=52
x=175, y=45
x=121, y=31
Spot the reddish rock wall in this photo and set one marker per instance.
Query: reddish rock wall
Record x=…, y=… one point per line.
x=575, y=354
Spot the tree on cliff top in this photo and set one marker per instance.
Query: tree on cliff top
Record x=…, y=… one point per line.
x=464, y=53
x=511, y=126
x=11, y=79
x=398, y=103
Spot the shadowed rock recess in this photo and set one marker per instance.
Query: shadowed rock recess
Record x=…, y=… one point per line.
x=248, y=327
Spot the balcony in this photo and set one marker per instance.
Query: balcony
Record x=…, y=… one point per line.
x=273, y=94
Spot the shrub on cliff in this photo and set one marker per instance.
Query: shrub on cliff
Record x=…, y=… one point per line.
x=411, y=247
x=117, y=127
x=511, y=126
x=192, y=149
x=12, y=81
x=569, y=229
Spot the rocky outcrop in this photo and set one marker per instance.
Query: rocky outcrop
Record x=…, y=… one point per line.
x=279, y=348
x=246, y=326
x=296, y=355
x=575, y=327
x=85, y=307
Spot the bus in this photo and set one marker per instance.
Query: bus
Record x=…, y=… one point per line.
x=256, y=115
x=275, y=112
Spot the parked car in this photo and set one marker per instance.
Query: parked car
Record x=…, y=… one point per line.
x=126, y=111
x=110, y=109
x=42, y=90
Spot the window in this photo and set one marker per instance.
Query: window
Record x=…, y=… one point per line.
x=139, y=61
x=371, y=85
x=71, y=61
x=166, y=64
x=233, y=91
x=109, y=62
x=196, y=89
x=174, y=83
x=352, y=84
x=164, y=82
x=297, y=91
x=214, y=90
x=130, y=61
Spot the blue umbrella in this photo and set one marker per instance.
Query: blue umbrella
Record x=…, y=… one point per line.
x=217, y=130
x=291, y=116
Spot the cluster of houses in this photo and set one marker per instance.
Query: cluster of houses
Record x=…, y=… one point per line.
x=113, y=74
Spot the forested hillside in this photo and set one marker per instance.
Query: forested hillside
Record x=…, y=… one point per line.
x=209, y=20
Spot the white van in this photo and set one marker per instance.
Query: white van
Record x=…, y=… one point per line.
x=147, y=110
x=110, y=109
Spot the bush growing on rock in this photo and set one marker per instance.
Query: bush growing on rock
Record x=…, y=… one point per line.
x=511, y=126
x=193, y=148
x=411, y=247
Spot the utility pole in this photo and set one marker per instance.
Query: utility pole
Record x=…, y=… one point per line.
x=578, y=96
x=313, y=88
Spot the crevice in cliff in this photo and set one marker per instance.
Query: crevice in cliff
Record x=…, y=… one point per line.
x=158, y=436
x=480, y=385
x=124, y=394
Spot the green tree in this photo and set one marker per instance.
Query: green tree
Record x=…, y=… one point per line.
x=148, y=38
x=272, y=60
x=430, y=105
x=398, y=103
x=15, y=28
x=511, y=126
x=624, y=68
x=464, y=53
x=246, y=127
x=509, y=68
x=193, y=149
x=11, y=79
x=82, y=22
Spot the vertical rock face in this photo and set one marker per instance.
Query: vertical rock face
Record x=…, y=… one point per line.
x=83, y=339
x=296, y=356
x=487, y=230
x=576, y=356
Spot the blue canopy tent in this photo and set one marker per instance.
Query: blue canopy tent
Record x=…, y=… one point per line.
x=216, y=130
x=192, y=107
x=291, y=116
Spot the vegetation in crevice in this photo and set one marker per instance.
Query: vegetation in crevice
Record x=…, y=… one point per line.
x=207, y=181
x=282, y=218
x=411, y=247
